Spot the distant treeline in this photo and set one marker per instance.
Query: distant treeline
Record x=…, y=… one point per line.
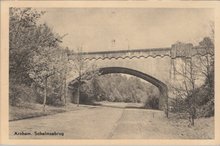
x=119, y=88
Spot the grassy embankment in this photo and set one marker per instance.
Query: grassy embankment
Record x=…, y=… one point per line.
x=203, y=128
x=36, y=110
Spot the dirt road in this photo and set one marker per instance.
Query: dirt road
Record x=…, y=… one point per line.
x=98, y=122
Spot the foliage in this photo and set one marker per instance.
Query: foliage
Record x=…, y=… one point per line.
x=85, y=71
x=25, y=38
x=191, y=97
x=119, y=88
x=36, y=60
x=21, y=95
x=203, y=100
x=152, y=102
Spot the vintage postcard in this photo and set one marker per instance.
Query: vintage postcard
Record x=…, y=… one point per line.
x=110, y=72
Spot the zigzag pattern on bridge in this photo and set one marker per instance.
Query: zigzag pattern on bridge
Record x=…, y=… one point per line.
x=172, y=52
x=127, y=57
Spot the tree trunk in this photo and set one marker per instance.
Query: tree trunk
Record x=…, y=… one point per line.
x=78, y=96
x=45, y=95
x=65, y=91
x=80, y=69
x=167, y=113
x=193, y=114
x=192, y=121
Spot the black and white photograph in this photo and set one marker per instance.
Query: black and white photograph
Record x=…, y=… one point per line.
x=111, y=73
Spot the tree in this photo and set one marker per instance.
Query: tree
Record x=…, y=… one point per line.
x=23, y=33
x=206, y=64
x=85, y=70
x=33, y=51
x=65, y=68
x=207, y=59
x=186, y=83
x=192, y=72
x=44, y=66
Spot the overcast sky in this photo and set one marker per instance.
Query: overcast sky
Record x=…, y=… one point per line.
x=98, y=29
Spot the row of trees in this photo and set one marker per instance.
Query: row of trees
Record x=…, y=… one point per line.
x=119, y=88
x=38, y=65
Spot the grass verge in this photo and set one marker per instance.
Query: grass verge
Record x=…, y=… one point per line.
x=203, y=128
x=36, y=110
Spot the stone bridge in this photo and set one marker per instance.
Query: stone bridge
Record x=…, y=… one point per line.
x=155, y=65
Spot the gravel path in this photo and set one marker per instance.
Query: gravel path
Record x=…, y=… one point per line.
x=143, y=124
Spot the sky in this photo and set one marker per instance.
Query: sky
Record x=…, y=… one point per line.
x=104, y=29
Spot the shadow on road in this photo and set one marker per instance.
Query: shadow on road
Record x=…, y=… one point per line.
x=120, y=106
x=135, y=107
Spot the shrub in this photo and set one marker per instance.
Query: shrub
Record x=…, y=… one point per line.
x=20, y=94
x=152, y=102
x=86, y=98
x=52, y=99
x=207, y=110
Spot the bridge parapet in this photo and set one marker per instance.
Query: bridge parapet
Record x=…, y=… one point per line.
x=124, y=54
x=178, y=50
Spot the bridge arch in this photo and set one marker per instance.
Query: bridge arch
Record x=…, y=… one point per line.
x=159, y=84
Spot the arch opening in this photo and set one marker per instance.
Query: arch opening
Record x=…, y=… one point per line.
x=159, y=84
